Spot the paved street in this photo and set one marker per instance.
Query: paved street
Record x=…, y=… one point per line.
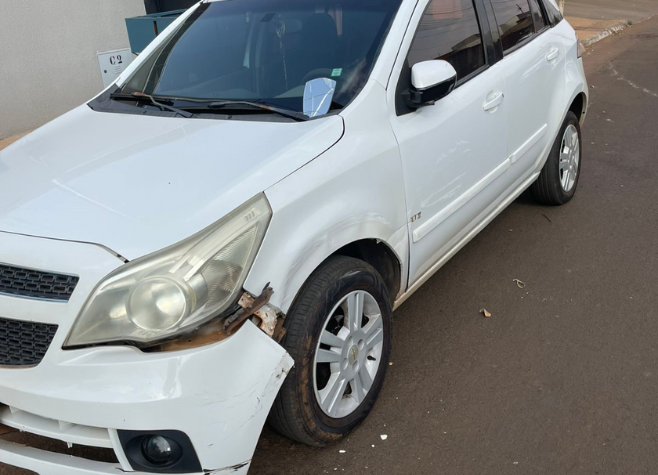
x=563, y=378
x=634, y=11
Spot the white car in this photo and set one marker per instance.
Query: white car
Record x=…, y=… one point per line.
x=223, y=234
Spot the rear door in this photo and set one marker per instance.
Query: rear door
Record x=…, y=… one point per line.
x=534, y=67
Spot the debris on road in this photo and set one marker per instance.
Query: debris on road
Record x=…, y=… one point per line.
x=384, y=436
x=519, y=283
x=341, y=451
x=485, y=312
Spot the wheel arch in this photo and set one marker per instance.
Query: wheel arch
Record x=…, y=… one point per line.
x=385, y=251
x=579, y=106
x=380, y=256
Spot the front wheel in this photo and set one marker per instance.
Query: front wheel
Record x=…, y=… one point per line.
x=339, y=334
x=558, y=180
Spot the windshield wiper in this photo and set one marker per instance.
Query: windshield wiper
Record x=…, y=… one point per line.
x=216, y=105
x=140, y=96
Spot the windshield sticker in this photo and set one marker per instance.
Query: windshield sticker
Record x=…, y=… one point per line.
x=336, y=72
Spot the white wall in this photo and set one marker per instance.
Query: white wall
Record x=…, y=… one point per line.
x=48, y=62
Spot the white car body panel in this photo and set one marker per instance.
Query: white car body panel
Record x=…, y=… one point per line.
x=422, y=185
x=351, y=195
x=154, y=182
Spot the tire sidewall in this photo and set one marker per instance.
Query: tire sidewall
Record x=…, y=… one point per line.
x=315, y=419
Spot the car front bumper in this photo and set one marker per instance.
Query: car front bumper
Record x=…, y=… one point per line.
x=218, y=395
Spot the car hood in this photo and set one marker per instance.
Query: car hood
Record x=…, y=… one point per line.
x=136, y=184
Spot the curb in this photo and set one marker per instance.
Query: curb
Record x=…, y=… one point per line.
x=604, y=34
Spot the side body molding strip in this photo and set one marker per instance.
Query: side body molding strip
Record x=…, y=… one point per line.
x=523, y=149
x=424, y=229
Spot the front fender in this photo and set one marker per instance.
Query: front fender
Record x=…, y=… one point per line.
x=354, y=191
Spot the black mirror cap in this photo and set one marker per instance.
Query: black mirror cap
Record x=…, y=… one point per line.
x=416, y=98
x=184, y=457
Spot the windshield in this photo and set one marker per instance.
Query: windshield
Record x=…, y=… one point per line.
x=267, y=50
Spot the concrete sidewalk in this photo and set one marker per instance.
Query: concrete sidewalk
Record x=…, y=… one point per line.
x=594, y=20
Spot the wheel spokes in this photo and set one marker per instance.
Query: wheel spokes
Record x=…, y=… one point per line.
x=574, y=138
x=354, y=311
x=327, y=356
x=357, y=389
x=333, y=394
x=331, y=340
x=374, y=332
x=565, y=179
x=366, y=379
x=569, y=140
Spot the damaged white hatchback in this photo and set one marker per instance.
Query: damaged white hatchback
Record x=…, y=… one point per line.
x=222, y=235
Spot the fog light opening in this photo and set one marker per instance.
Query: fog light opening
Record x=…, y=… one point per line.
x=158, y=450
x=162, y=451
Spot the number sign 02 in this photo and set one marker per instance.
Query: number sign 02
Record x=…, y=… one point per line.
x=113, y=63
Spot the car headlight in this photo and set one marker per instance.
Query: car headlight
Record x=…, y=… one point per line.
x=177, y=289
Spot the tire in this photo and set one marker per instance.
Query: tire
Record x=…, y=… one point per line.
x=298, y=411
x=550, y=187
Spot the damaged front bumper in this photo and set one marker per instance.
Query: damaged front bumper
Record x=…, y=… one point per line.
x=217, y=394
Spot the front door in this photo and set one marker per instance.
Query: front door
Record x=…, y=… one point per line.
x=454, y=153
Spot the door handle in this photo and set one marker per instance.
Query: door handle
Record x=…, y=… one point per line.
x=552, y=54
x=494, y=102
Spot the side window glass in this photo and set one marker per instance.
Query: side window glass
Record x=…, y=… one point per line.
x=514, y=21
x=537, y=15
x=449, y=30
x=553, y=13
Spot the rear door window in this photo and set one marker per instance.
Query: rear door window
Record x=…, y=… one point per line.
x=515, y=22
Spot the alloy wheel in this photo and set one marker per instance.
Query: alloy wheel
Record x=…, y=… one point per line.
x=348, y=354
x=569, y=158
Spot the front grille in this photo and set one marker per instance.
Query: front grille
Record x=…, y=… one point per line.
x=24, y=343
x=36, y=284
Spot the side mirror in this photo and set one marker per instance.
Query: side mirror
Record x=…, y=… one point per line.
x=431, y=81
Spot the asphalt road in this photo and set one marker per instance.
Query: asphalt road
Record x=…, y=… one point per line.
x=563, y=378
